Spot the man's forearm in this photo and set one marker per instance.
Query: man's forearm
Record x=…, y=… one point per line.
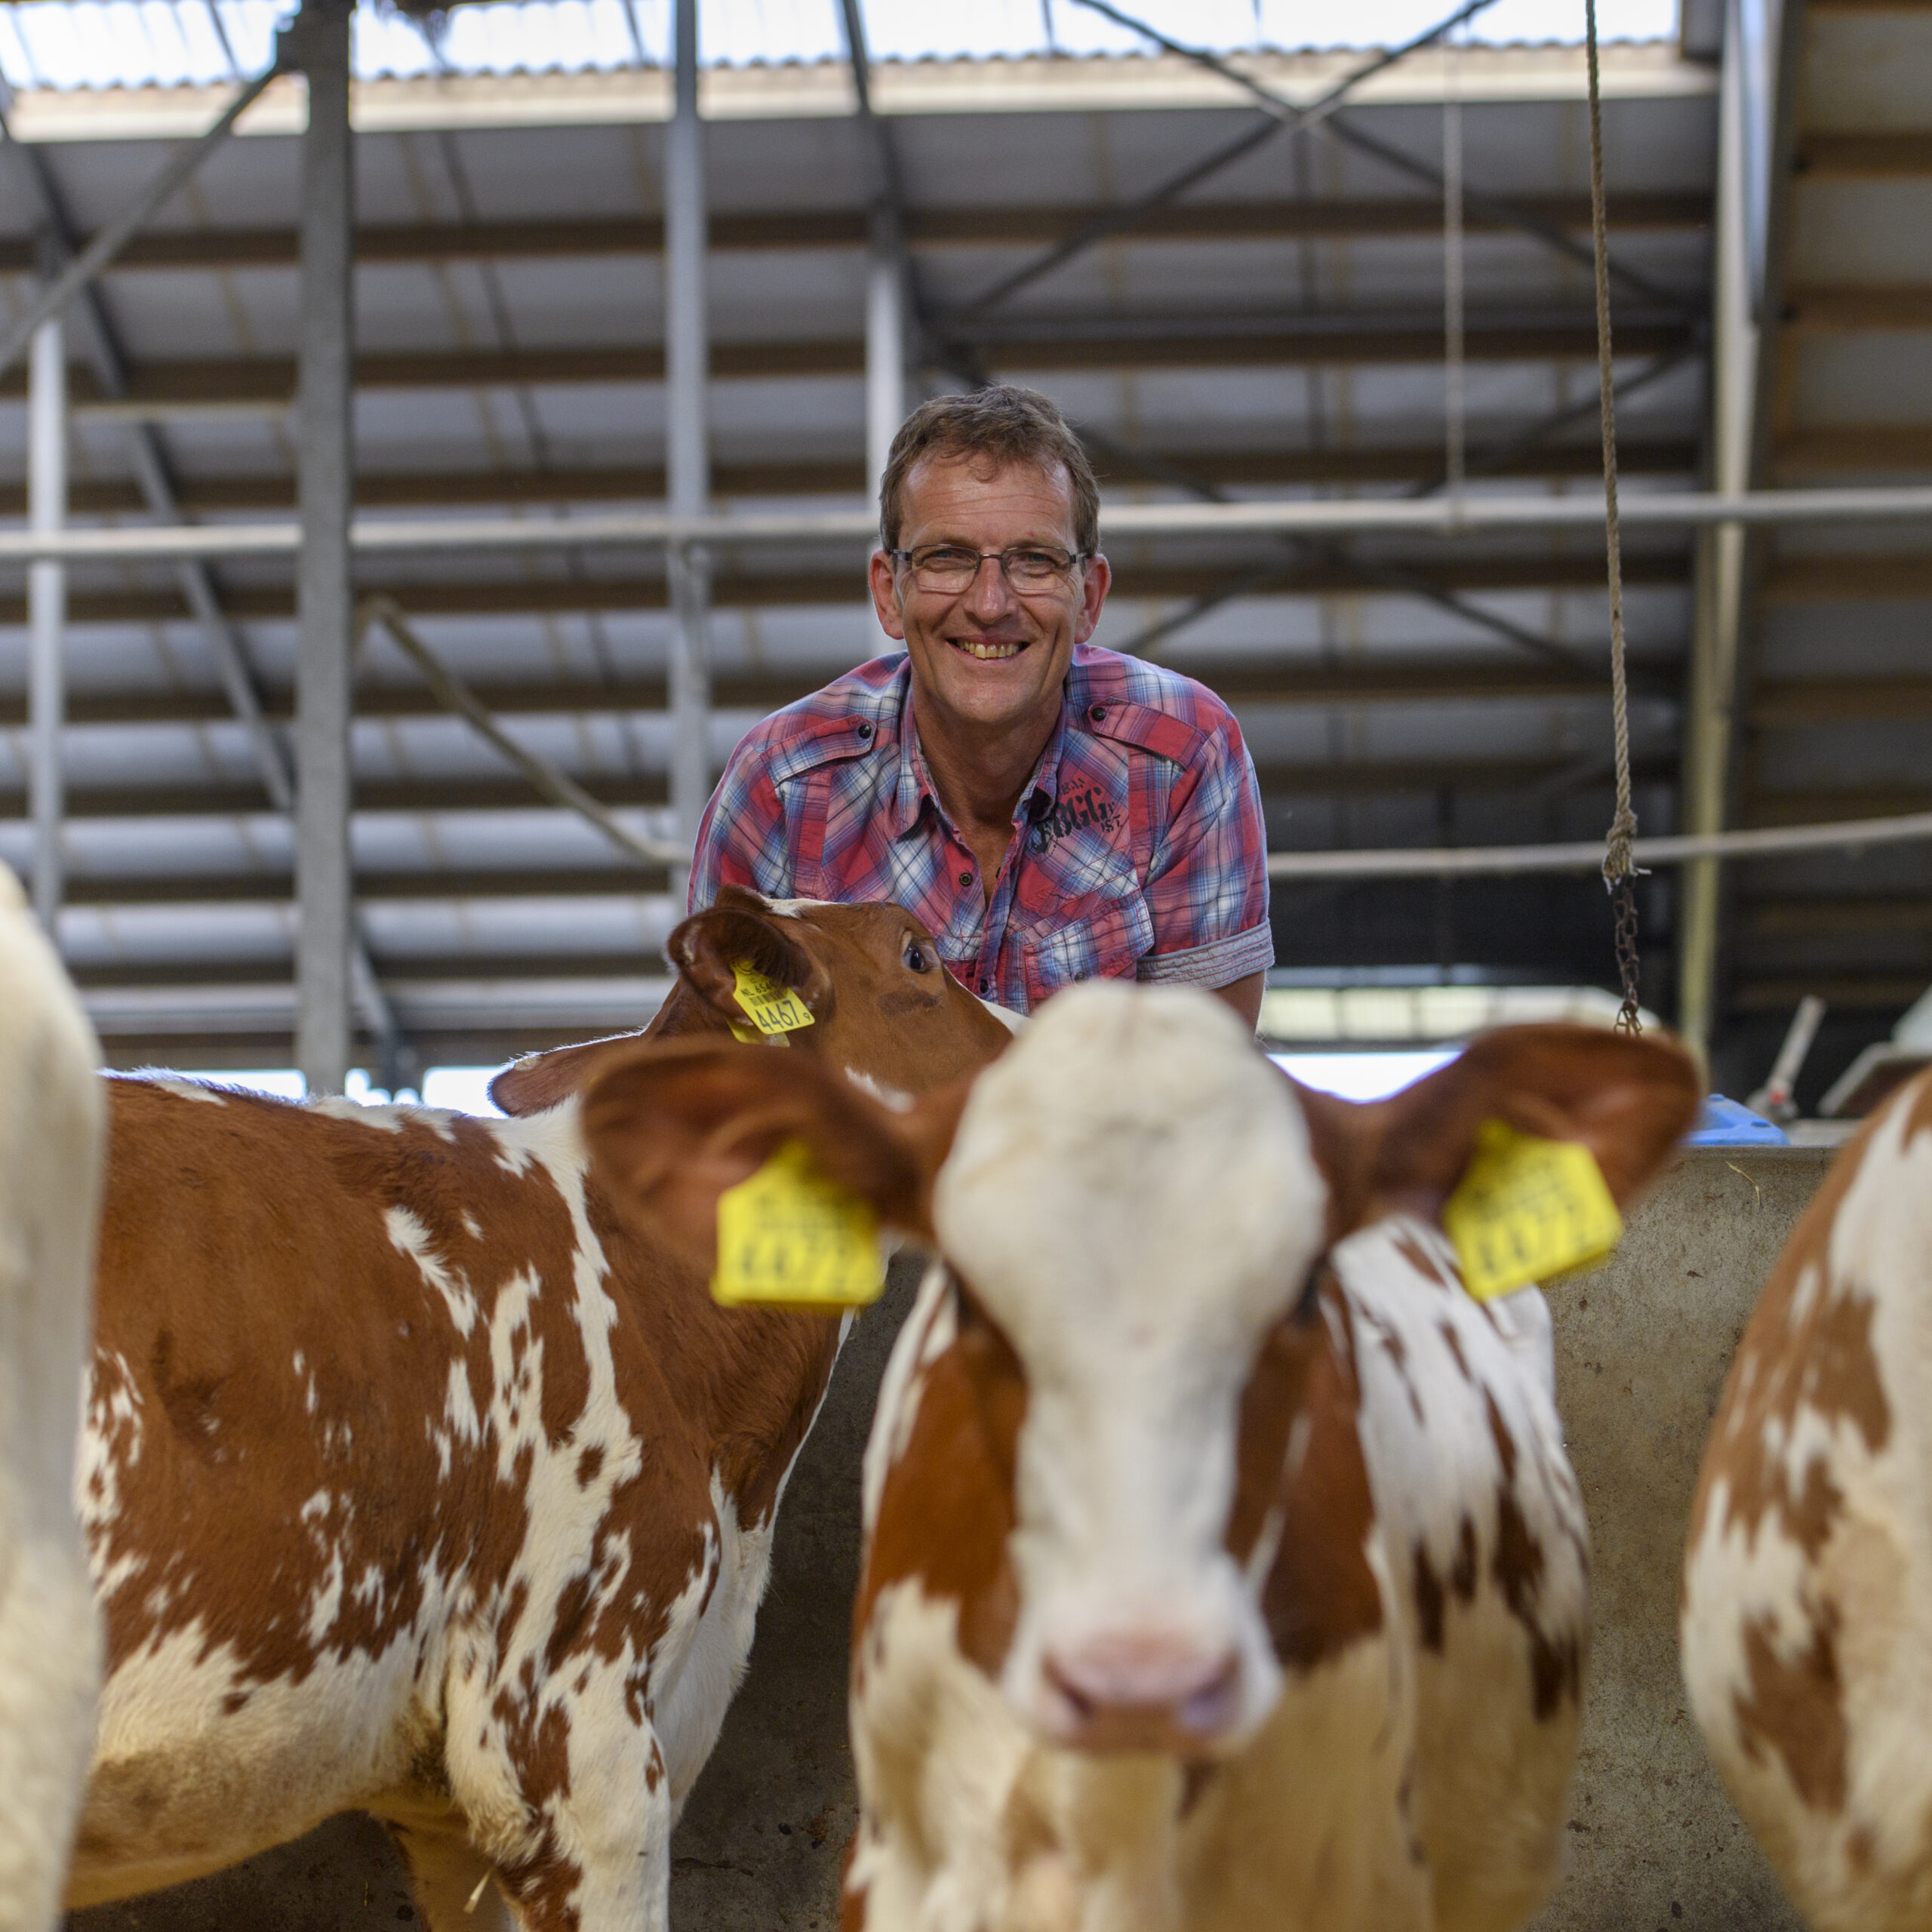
x=1244, y=996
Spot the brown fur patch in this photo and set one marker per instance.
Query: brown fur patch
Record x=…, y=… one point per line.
x=1556, y=1663
x=1794, y=1709
x=1321, y=1594
x=947, y=1509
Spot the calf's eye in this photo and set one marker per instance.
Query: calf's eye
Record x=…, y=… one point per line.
x=918, y=956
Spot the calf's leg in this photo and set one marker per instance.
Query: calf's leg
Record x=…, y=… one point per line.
x=573, y=1804
x=50, y=1667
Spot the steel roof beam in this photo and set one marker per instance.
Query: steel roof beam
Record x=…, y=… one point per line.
x=255, y=385
x=513, y=597
x=432, y=489
x=389, y=245
x=433, y=797
x=1492, y=208
x=1419, y=678
x=1410, y=518
x=1281, y=116
x=106, y=243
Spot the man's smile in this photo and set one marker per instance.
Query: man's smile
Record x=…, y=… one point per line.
x=988, y=650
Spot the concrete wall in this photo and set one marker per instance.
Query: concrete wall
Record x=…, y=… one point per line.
x=1642, y=1351
x=1642, y=1346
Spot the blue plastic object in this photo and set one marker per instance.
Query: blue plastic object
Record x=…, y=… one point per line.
x=1730, y=1124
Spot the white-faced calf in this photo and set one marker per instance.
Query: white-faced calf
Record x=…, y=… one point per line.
x=415, y=1482
x=1223, y=1567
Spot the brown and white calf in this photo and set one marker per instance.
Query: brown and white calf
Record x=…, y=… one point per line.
x=415, y=1482
x=1224, y=1568
x=1807, y=1617
x=52, y=1136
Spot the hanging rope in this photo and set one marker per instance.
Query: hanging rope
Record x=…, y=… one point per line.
x=1455, y=462
x=1620, y=869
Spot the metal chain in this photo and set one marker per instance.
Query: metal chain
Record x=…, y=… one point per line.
x=1619, y=871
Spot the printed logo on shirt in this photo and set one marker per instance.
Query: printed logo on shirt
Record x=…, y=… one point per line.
x=1076, y=812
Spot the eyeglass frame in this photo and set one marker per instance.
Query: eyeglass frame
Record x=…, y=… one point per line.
x=1062, y=576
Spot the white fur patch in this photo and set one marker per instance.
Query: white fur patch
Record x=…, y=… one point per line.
x=408, y=1235
x=887, y=1096
x=183, y=1089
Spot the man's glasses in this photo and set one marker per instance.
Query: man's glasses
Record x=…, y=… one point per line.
x=949, y=568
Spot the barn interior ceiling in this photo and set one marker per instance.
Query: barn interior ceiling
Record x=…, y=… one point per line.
x=1275, y=329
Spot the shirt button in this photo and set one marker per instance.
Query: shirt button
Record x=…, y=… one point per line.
x=865, y=727
x=1097, y=712
x=965, y=879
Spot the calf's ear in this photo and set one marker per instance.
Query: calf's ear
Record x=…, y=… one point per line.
x=740, y=931
x=670, y=1125
x=539, y=1081
x=1630, y=1101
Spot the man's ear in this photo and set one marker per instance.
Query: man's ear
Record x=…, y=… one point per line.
x=539, y=1081
x=671, y=1125
x=739, y=931
x=1629, y=1101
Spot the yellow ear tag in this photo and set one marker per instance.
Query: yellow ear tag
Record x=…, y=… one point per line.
x=773, y=1008
x=789, y=1237
x=1527, y=1209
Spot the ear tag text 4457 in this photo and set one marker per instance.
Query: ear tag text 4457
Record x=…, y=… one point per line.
x=772, y=1008
x=1526, y=1209
x=790, y=1237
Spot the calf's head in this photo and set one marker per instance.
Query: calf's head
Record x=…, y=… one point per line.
x=883, y=1007
x=1133, y=1207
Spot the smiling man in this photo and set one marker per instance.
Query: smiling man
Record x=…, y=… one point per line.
x=1053, y=812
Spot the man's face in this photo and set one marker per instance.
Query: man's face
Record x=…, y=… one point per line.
x=988, y=656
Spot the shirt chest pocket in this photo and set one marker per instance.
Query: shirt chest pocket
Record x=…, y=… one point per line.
x=1104, y=942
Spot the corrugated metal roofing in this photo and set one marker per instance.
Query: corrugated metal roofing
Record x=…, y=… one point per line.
x=140, y=43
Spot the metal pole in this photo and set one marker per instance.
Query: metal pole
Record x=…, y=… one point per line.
x=101, y=347
x=885, y=346
x=47, y=611
x=1853, y=834
x=1719, y=601
x=687, y=366
x=1298, y=517
x=324, y=599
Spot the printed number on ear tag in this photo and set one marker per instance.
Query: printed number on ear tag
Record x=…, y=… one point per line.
x=773, y=1008
x=790, y=1236
x=1527, y=1209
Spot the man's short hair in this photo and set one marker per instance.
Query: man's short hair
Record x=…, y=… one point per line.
x=1004, y=425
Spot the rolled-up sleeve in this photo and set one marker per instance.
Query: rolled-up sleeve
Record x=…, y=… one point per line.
x=1206, y=884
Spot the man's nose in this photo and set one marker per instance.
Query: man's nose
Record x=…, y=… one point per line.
x=990, y=595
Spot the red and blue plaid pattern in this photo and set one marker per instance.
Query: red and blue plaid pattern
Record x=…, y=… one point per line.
x=1140, y=849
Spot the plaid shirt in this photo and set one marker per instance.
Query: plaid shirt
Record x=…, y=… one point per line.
x=1140, y=850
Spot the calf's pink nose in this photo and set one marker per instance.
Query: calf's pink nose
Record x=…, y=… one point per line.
x=1143, y=1693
